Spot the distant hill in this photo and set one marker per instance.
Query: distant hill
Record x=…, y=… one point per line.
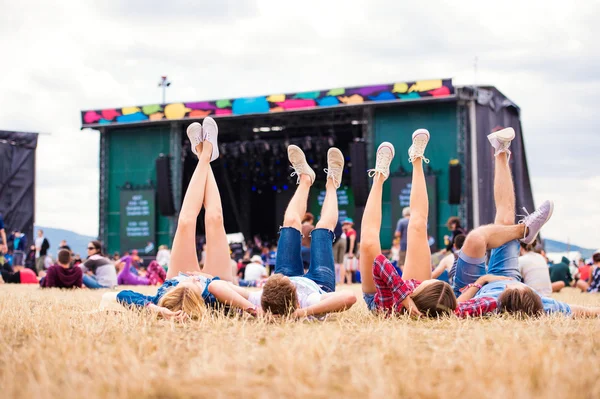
x=77, y=242
x=558, y=246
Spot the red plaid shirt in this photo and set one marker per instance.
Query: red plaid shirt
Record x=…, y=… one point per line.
x=392, y=290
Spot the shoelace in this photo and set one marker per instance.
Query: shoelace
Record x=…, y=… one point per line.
x=332, y=173
x=529, y=216
x=296, y=173
x=419, y=148
x=383, y=158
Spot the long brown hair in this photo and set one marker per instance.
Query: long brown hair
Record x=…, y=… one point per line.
x=436, y=299
x=98, y=246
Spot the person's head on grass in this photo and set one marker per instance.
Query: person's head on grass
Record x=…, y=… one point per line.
x=279, y=296
x=187, y=297
x=434, y=298
x=520, y=300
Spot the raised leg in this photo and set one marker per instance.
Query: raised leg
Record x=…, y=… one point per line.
x=329, y=211
x=418, y=254
x=183, y=254
x=217, y=247
x=504, y=193
x=370, y=246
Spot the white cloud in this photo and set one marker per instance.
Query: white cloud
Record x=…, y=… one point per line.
x=60, y=57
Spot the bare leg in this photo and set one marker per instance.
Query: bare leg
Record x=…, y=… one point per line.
x=557, y=286
x=217, y=248
x=582, y=285
x=504, y=229
x=504, y=192
x=297, y=207
x=370, y=246
x=329, y=211
x=418, y=254
x=183, y=255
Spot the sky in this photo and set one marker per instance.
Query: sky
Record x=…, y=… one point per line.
x=58, y=58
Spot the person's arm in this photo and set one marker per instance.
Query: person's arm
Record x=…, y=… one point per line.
x=329, y=303
x=476, y=307
x=442, y=266
x=79, y=281
x=472, y=289
x=227, y=295
x=50, y=279
x=352, y=242
x=134, y=299
x=582, y=311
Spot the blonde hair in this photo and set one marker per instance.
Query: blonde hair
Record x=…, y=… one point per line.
x=185, y=299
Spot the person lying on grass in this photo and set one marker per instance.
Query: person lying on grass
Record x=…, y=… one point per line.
x=290, y=291
x=417, y=293
x=188, y=291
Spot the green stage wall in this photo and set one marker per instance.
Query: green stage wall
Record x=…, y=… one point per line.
x=131, y=158
x=396, y=125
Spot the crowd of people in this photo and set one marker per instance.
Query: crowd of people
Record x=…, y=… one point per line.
x=494, y=268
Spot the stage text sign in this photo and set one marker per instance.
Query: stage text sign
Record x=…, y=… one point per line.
x=138, y=220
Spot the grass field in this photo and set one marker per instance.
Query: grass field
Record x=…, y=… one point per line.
x=55, y=344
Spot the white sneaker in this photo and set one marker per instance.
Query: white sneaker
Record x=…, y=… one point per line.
x=385, y=154
x=195, y=135
x=298, y=161
x=211, y=133
x=335, y=166
x=501, y=140
x=420, y=139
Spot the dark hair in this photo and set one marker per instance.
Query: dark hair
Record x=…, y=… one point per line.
x=436, y=299
x=308, y=217
x=596, y=258
x=64, y=257
x=97, y=245
x=529, y=247
x=522, y=302
x=453, y=220
x=459, y=241
x=279, y=296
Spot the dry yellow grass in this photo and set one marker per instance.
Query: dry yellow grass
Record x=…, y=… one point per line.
x=54, y=345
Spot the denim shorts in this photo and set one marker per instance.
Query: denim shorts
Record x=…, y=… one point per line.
x=289, y=256
x=370, y=301
x=504, y=261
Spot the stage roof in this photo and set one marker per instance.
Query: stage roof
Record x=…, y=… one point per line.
x=351, y=96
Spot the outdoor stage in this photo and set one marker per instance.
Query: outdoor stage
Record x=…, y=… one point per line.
x=253, y=172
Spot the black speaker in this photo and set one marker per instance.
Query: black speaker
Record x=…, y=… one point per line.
x=166, y=204
x=455, y=172
x=358, y=173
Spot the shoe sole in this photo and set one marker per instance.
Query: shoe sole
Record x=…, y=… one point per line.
x=191, y=134
x=312, y=175
x=419, y=132
x=389, y=145
x=545, y=221
x=507, y=134
x=215, y=150
x=337, y=151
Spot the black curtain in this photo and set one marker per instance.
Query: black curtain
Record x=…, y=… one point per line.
x=494, y=110
x=17, y=181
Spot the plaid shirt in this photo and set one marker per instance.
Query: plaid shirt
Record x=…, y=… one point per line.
x=392, y=290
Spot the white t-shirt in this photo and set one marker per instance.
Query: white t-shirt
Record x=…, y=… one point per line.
x=535, y=272
x=308, y=291
x=254, y=272
x=163, y=257
x=38, y=244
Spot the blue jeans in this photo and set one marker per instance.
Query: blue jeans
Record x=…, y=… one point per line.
x=504, y=261
x=289, y=256
x=91, y=282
